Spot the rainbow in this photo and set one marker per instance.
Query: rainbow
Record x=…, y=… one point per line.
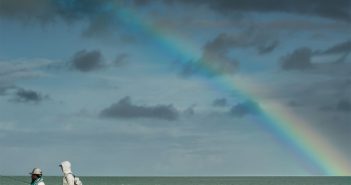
x=308, y=147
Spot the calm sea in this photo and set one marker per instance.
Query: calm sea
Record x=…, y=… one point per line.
x=16, y=180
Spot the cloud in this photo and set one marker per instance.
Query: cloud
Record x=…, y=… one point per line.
x=125, y=109
x=300, y=59
x=43, y=10
x=298, y=25
x=22, y=69
x=189, y=68
x=244, y=108
x=343, y=49
x=269, y=47
x=121, y=59
x=220, y=102
x=217, y=53
x=27, y=96
x=99, y=14
x=310, y=90
x=216, y=57
x=104, y=17
x=340, y=48
x=4, y=89
x=343, y=105
x=263, y=41
x=294, y=103
x=97, y=11
x=86, y=61
x=101, y=25
x=13, y=71
x=16, y=70
x=190, y=111
x=339, y=10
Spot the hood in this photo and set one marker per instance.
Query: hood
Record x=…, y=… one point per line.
x=66, y=167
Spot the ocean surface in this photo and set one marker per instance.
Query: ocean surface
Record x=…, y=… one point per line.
x=18, y=180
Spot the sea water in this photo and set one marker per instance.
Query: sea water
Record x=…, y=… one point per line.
x=18, y=180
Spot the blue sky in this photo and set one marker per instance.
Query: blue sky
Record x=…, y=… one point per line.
x=118, y=85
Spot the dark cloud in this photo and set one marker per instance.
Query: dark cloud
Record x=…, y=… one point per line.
x=216, y=57
x=316, y=92
x=245, y=108
x=343, y=105
x=343, y=58
x=190, y=111
x=221, y=102
x=326, y=108
x=47, y=10
x=293, y=103
x=86, y=61
x=121, y=59
x=125, y=109
x=344, y=47
x=43, y=10
x=298, y=25
x=142, y=2
x=215, y=54
x=338, y=10
x=190, y=68
x=13, y=71
x=101, y=25
x=29, y=96
x=269, y=47
x=103, y=20
x=300, y=59
x=99, y=13
x=4, y=89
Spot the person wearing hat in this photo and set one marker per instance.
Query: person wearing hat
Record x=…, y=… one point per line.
x=37, y=177
x=68, y=178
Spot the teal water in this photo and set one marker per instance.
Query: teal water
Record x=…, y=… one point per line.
x=16, y=180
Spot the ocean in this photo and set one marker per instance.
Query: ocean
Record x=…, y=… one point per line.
x=18, y=180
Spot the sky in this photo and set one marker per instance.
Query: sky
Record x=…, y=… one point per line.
x=174, y=87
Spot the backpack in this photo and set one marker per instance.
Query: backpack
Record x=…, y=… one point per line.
x=76, y=180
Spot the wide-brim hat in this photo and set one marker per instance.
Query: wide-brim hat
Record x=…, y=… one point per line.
x=36, y=171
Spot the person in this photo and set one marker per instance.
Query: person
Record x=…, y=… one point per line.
x=68, y=177
x=37, y=177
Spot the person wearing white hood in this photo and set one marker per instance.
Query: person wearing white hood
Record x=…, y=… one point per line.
x=68, y=177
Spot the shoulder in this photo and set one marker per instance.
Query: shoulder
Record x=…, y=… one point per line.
x=41, y=183
x=68, y=175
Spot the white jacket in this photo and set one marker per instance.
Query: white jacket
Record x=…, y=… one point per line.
x=68, y=178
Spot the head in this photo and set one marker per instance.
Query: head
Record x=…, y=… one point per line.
x=66, y=167
x=36, y=173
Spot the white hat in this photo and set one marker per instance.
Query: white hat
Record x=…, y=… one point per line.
x=36, y=171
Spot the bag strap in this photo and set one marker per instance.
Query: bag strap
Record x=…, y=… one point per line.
x=73, y=177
